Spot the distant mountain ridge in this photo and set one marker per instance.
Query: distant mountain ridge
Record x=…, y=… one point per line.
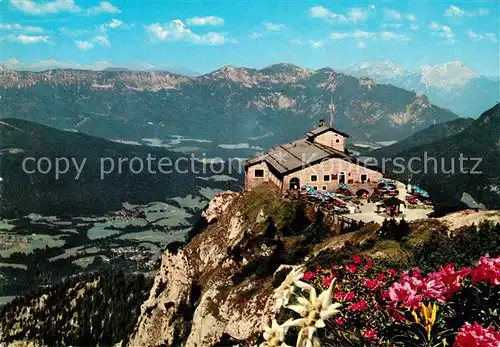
x=452, y=85
x=478, y=143
x=231, y=104
x=52, y=64
x=431, y=134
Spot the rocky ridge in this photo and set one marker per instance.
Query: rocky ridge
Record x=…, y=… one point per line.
x=193, y=299
x=137, y=104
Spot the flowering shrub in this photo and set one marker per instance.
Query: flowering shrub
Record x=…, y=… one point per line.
x=474, y=335
x=358, y=286
x=449, y=306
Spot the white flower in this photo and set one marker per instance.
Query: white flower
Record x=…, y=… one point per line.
x=274, y=335
x=314, y=312
x=284, y=292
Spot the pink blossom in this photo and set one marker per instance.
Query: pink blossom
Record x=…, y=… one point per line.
x=358, y=306
x=357, y=259
x=350, y=296
x=339, y=296
x=453, y=279
x=487, y=270
x=318, y=268
x=352, y=268
x=327, y=281
x=392, y=272
x=369, y=265
x=309, y=275
x=373, y=284
x=410, y=290
x=340, y=321
x=370, y=334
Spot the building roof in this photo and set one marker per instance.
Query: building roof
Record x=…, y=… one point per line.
x=296, y=155
x=323, y=129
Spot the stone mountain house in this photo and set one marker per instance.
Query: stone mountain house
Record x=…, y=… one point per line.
x=320, y=160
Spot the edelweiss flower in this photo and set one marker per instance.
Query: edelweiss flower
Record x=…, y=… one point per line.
x=274, y=335
x=284, y=292
x=314, y=312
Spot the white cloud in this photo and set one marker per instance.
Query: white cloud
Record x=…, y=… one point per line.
x=257, y=35
x=72, y=32
x=411, y=17
x=204, y=21
x=491, y=36
x=391, y=36
x=391, y=14
x=55, y=6
x=414, y=27
x=454, y=11
x=358, y=34
x=443, y=31
x=84, y=45
x=101, y=39
x=41, y=8
x=392, y=25
x=19, y=27
x=357, y=14
x=274, y=26
x=354, y=15
x=42, y=65
x=29, y=39
x=321, y=12
x=176, y=30
x=268, y=28
x=312, y=43
x=479, y=37
x=115, y=23
x=354, y=34
x=103, y=7
x=360, y=44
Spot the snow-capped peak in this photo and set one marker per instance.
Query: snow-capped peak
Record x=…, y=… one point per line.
x=449, y=75
x=380, y=69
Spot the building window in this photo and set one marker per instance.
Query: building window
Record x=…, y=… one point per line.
x=335, y=177
x=323, y=188
x=259, y=173
x=315, y=188
x=363, y=178
x=314, y=178
x=337, y=140
x=326, y=178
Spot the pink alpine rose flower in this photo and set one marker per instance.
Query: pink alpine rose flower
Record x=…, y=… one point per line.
x=474, y=335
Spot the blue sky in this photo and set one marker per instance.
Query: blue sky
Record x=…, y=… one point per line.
x=205, y=35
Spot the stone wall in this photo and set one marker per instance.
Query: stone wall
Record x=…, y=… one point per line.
x=251, y=181
x=330, y=168
x=331, y=139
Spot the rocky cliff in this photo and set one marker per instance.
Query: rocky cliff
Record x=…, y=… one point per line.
x=194, y=301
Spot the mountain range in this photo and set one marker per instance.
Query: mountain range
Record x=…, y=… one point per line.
x=38, y=190
x=274, y=105
x=474, y=183
x=452, y=85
